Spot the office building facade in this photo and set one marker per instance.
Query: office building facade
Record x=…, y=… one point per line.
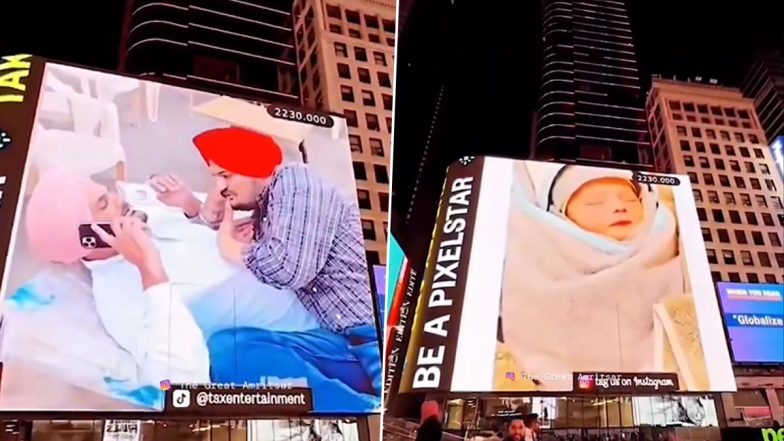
x=590, y=101
x=764, y=83
x=345, y=56
x=713, y=135
x=230, y=46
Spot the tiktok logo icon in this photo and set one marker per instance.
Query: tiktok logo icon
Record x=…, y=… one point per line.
x=181, y=398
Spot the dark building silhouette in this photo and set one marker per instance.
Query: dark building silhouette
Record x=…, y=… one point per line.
x=231, y=46
x=590, y=100
x=764, y=83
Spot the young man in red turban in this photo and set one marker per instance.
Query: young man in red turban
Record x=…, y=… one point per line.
x=307, y=235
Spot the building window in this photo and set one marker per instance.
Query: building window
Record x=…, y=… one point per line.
x=716, y=276
x=380, y=59
x=697, y=195
x=713, y=197
x=770, y=184
x=368, y=99
x=710, y=133
x=739, y=182
x=387, y=101
x=382, y=177
x=764, y=259
x=384, y=80
x=752, y=277
x=725, y=135
x=746, y=259
x=776, y=202
x=751, y=218
x=374, y=38
x=368, y=229
x=718, y=215
x=745, y=199
x=761, y=201
x=735, y=217
x=335, y=28
x=341, y=50
x=675, y=105
x=351, y=118
x=376, y=147
x=729, y=198
x=740, y=237
x=373, y=258
x=364, y=75
x=755, y=183
x=711, y=256
x=688, y=107
x=749, y=167
x=757, y=238
x=724, y=180
x=693, y=177
x=383, y=200
x=764, y=169
x=372, y=122
x=682, y=131
x=739, y=137
x=371, y=22
x=334, y=12
x=344, y=71
x=724, y=235
x=744, y=152
x=706, y=234
x=719, y=163
x=356, y=143
x=389, y=124
x=770, y=278
x=688, y=161
x=767, y=220
x=360, y=54
x=389, y=26
x=730, y=150
x=347, y=94
x=360, y=173
x=780, y=259
x=363, y=197
x=734, y=277
x=354, y=33
x=685, y=146
x=728, y=256
x=702, y=215
x=758, y=154
x=352, y=17
x=774, y=238
x=734, y=165
x=753, y=139
x=696, y=132
x=708, y=178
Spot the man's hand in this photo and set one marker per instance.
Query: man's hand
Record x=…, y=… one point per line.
x=174, y=192
x=131, y=240
x=230, y=248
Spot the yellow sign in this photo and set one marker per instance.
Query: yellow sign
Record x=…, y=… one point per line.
x=13, y=69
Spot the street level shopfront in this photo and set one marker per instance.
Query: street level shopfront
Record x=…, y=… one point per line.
x=289, y=429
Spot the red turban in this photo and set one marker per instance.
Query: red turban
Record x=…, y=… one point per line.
x=240, y=151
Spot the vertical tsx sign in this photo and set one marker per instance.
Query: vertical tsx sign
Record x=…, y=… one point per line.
x=20, y=79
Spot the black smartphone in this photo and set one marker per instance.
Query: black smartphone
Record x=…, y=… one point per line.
x=90, y=240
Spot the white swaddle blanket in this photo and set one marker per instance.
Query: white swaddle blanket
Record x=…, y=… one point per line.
x=577, y=301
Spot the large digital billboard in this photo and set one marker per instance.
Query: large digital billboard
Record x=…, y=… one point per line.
x=395, y=261
x=380, y=278
x=559, y=278
x=754, y=316
x=170, y=249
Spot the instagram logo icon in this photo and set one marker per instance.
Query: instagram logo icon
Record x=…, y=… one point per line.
x=585, y=381
x=510, y=376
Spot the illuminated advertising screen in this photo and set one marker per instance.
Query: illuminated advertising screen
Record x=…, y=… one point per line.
x=395, y=259
x=597, y=280
x=777, y=148
x=174, y=250
x=754, y=316
x=380, y=276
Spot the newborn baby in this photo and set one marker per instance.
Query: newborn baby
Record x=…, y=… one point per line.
x=586, y=261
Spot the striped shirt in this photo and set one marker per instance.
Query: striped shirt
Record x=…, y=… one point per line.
x=308, y=239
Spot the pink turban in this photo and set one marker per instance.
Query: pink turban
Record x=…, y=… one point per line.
x=58, y=205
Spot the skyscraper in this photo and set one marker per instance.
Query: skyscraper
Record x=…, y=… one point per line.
x=230, y=46
x=713, y=135
x=764, y=83
x=345, y=51
x=591, y=104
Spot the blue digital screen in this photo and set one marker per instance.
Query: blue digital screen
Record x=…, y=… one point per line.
x=754, y=316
